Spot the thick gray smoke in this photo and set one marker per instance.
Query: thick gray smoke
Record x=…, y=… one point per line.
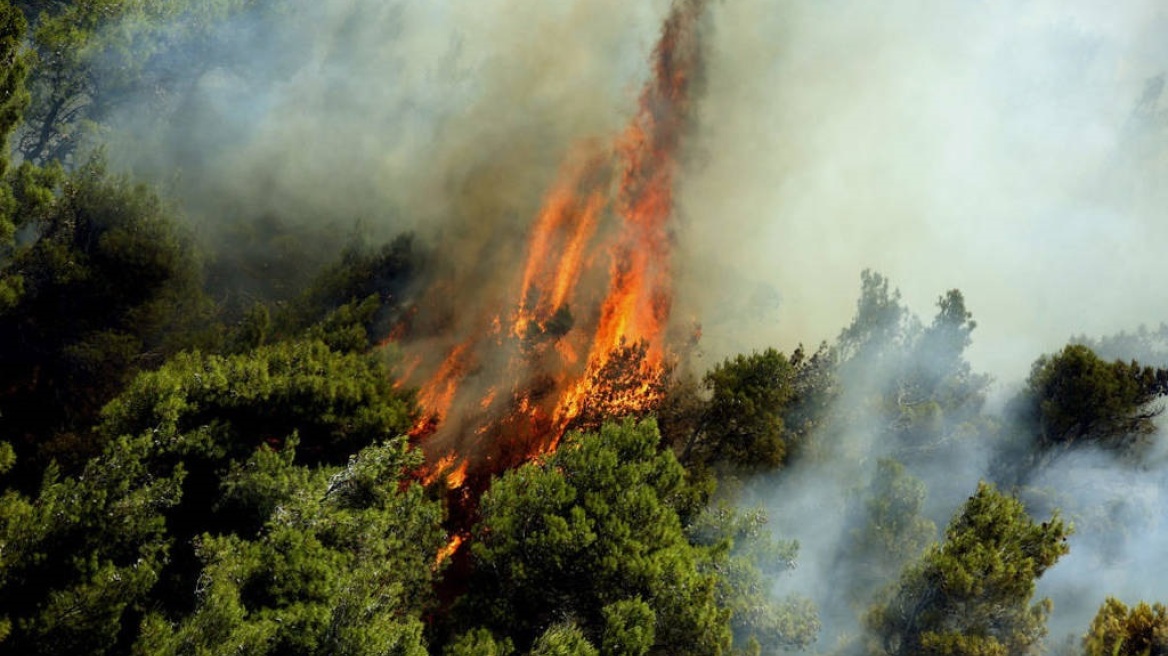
x=1013, y=150
x=1006, y=149
x=408, y=115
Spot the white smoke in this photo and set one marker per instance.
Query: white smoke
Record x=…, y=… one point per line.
x=993, y=147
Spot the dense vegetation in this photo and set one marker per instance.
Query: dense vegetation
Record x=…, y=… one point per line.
x=192, y=465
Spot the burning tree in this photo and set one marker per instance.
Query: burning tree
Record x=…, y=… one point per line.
x=586, y=335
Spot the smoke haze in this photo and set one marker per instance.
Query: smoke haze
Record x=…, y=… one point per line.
x=409, y=115
x=993, y=147
x=989, y=146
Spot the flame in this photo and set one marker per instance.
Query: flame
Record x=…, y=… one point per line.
x=457, y=476
x=559, y=239
x=587, y=333
x=450, y=469
x=488, y=399
x=567, y=352
x=444, y=463
x=638, y=305
x=447, y=551
x=407, y=370
x=437, y=395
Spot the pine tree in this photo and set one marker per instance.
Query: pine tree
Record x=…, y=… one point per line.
x=971, y=595
x=1118, y=630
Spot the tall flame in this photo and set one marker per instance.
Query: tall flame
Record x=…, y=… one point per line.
x=567, y=220
x=603, y=225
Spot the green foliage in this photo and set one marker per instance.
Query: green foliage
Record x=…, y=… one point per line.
x=357, y=298
x=78, y=560
x=892, y=530
x=478, y=642
x=91, y=55
x=15, y=68
x=218, y=406
x=816, y=389
x=909, y=384
x=1121, y=631
x=210, y=413
x=881, y=324
x=1075, y=397
x=592, y=534
x=350, y=304
x=341, y=566
x=895, y=525
x=270, y=260
x=757, y=410
x=587, y=528
x=940, y=371
x=108, y=286
x=743, y=422
x=203, y=527
x=7, y=458
x=253, y=330
x=972, y=593
x=739, y=548
x=563, y=640
x=14, y=97
x=252, y=490
x=28, y=197
x=629, y=628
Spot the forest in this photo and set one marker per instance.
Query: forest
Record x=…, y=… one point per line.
x=454, y=393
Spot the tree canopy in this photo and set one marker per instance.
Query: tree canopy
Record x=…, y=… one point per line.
x=590, y=536
x=972, y=594
x=216, y=513
x=1117, y=630
x=1074, y=396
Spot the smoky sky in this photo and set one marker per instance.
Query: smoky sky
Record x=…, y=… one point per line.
x=1000, y=148
x=441, y=117
x=995, y=147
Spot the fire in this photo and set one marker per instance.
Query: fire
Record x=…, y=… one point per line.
x=586, y=335
x=566, y=221
x=447, y=551
x=435, y=472
x=638, y=304
x=488, y=399
x=437, y=395
x=457, y=476
x=408, y=370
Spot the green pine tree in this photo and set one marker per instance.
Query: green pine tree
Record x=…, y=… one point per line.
x=971, y=594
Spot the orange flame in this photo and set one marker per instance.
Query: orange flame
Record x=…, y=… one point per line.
x=559, y=239
x=488, y=399
x=570, y=353
x=450, y=469
x=457, y=476
x=638, y=305
x=447, y=551
x=433, y=473
x=437, y=395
